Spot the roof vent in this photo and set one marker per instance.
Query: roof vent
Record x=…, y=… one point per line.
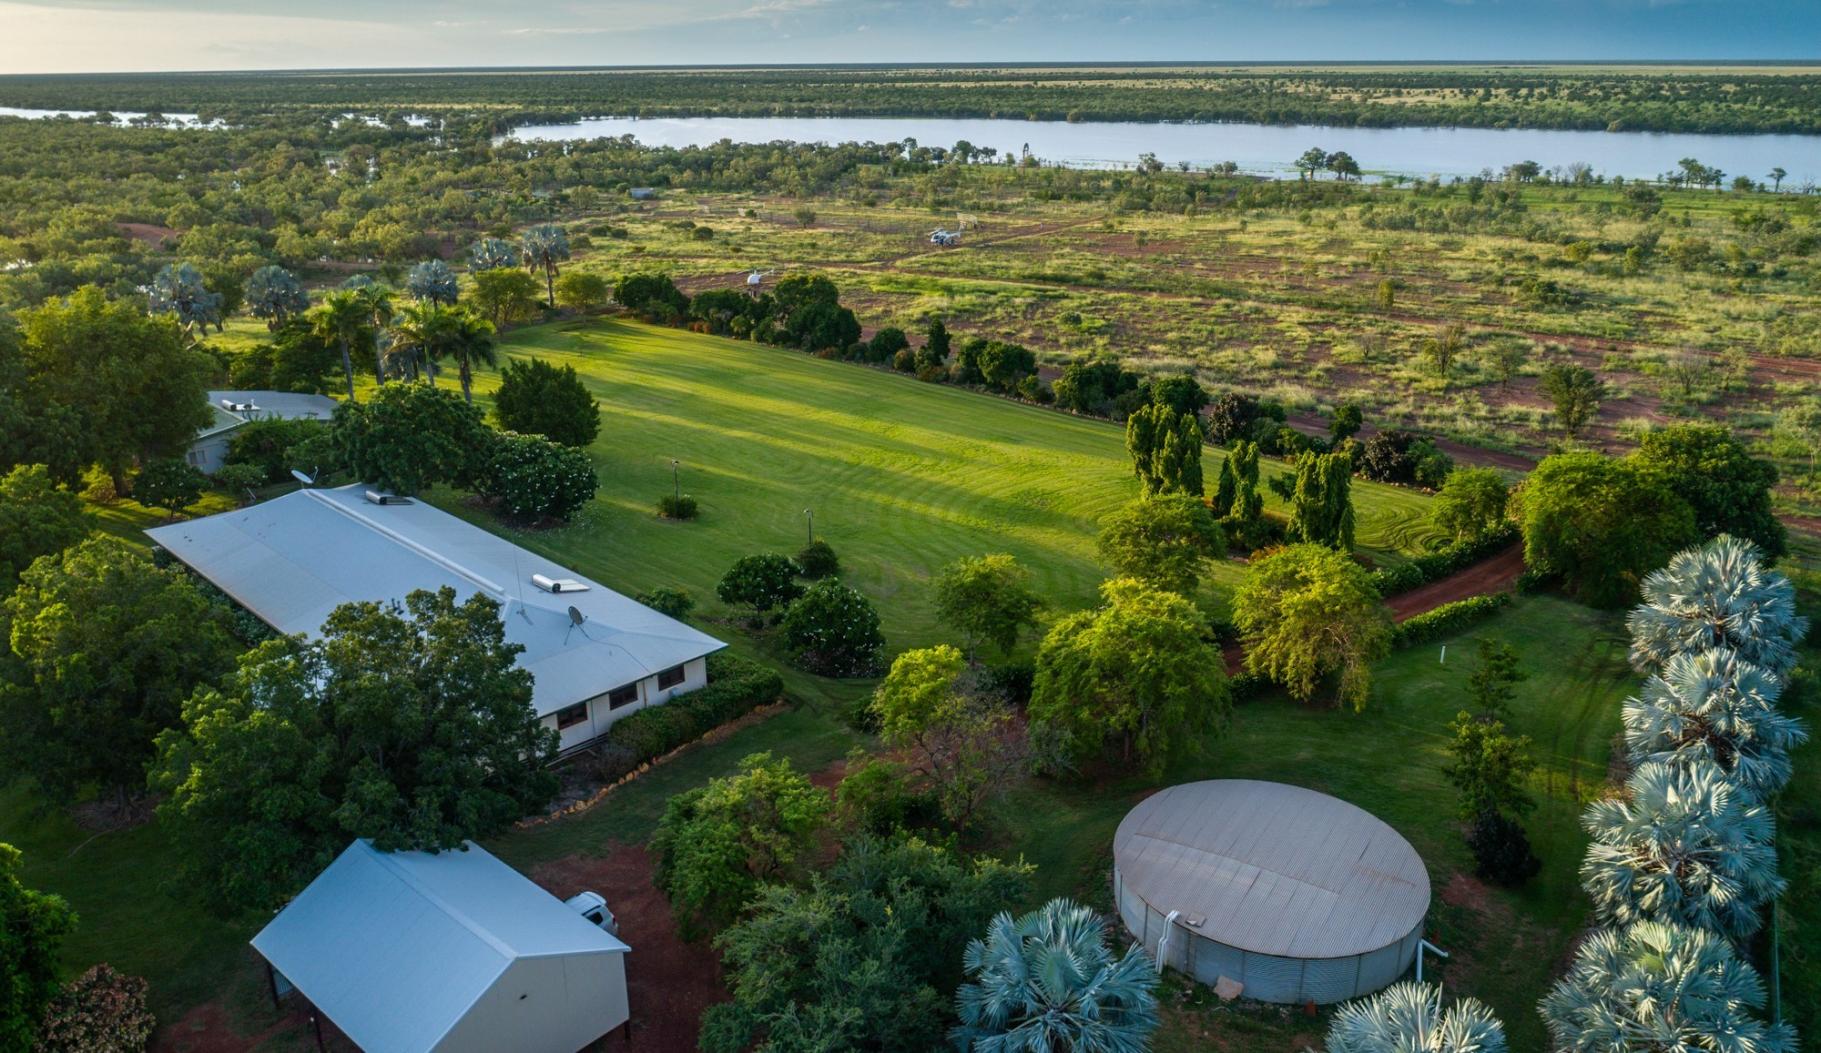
x=238, y=407
x=549, y=584
x=374, y=497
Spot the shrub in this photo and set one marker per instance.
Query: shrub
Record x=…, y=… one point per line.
x=1501, y=850
x=1448, y=619
x=1442, y=562
x=834, y=631
x=672, y=603
x=876, y=796
x=101, y=1011
x=170, y=484
x=532, y=478
x=736, y=686
x=818, y=560
x=537, y=398
x=264, y=444
x=887, y=344
x=762, y=582
x=905, y=361
x=677, y=506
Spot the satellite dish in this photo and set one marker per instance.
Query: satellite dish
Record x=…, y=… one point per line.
x=302, y=478
x=575, y=616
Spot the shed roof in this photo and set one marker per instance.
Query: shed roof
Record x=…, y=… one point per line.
x=1273, y=868
x=295, y=558
x=395, y=948
x=268, y=405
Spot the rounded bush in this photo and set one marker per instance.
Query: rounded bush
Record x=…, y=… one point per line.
x=532, y=478
x=834, y=631
x=818, y=560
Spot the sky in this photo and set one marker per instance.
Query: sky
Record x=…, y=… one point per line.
x=44, y=36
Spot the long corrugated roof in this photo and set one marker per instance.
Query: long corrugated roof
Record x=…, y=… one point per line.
x=269, y=405
x=295, y=558
x=396, y=947
x=1272, y=868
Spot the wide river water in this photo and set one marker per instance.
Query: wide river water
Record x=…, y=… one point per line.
x=1257, y=148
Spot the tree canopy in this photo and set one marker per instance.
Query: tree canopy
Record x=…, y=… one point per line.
x=409, y=437
x=1600, y=524
x=1307, y=611
x=37, y=518
x=32, y=927
x=1728, y=489
x=538, y=398
x=1166, y=450
x=1164, y=541
x=988, y=600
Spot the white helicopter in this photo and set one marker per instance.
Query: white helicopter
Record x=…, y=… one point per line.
x=944, y=237
x=755, y=279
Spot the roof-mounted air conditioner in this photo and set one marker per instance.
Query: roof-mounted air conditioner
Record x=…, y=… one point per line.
x=374, y=497
x=550, y=584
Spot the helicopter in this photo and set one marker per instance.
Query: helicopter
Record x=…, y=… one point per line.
x=944, y=237
x=755, y=279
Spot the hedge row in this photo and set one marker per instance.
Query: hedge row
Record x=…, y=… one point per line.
x=1444, y=561
x=736, y=687
x=1448, y=619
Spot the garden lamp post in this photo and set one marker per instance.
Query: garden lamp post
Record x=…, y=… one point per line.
x=811, y=516
x=676, y=481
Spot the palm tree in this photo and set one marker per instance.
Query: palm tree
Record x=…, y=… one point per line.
x=1046, y=981
x=431, y=332
x=1715, y=707
x=343, y=318
x=1777, y=176
x=1717, y=595
x=432, y=280
x=274, y=294
x=544, y=246
x=491, y=254
x=376, y=300
x=1409, y=1018
x=1683, y=844
x=1660, y=987
x=178, y=290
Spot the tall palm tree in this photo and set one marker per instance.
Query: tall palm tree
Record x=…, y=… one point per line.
x=1047, y=981
x=545, y=246
x=1717, y=595
x=1660, y=987
x=344, y=319
x=1683, y=844
x=377, y=300
x=430, y=332
x=1715, y=707
x=1409, y=1018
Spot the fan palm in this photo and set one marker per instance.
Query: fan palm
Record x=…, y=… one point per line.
x=274, y=294
x=1683, y=844
x=1409, y=1018
x=544, y=247
x=178, y=290
x=1660, y=987
x=1717, y=595
x=430, y=332
x=1047, y=981
x=1717, y=707
x=343, y=319
x=434, y=282
x=490, y=254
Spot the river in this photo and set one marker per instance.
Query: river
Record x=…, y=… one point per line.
x=1260, y=149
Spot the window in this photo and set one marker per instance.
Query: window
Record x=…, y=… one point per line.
x=570, y=716
x=670, y=677
x=622, y=696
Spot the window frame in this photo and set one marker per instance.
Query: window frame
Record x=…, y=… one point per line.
x=563, y=724
x=613, y=703
x=682, y=674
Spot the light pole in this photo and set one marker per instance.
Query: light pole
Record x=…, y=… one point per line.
x=811, y=516
x=676, y=481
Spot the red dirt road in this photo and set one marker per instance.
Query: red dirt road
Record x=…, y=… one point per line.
x=1494, y=574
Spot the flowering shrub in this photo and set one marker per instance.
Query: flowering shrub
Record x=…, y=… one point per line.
x=101, y=1011
x=677, y=506
x=834, y=631
x=529, y=477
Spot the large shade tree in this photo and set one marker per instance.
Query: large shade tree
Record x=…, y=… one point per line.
x=1165, y=540
x=1048, y=980
x=1412, y=1018
x=1600, y=524
x=33, y=925
x=988, y=600
x=1728, y=488
x=37, y=518
x=410, y=437
x=1656, y=986
x=1719, y=594
x=537, y=398
x=953, y=731
x=1683, y=844
x=1715, y=707
x=1307, y=612
x=409, y=724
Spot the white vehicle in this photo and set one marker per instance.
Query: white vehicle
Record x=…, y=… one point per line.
x=593, y=906
x=944, y=237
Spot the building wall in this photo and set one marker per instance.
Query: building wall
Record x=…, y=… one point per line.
x=1267, y=977
x=210, y=453
x=557, y=1004
x=601, y=717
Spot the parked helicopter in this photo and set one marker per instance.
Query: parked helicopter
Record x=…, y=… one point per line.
x=755, y=279
x=944, y=237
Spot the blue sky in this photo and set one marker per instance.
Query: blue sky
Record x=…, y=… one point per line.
x=91, y=35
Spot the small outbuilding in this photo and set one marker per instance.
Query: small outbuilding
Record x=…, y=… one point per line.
x=234, y=410
x=1296, y=895
x=451, y=952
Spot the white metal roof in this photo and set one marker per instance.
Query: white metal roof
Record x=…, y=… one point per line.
x=395, y=948
x=295, y=558
x=269, y=405
x=1272, y=868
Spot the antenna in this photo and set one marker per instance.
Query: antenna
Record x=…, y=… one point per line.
x=302, y=478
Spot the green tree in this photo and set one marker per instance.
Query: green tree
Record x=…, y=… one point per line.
x=1410, y=1018
x=1138, y=672
x=1048, y=980
x=1307, y=611
x=1600, y=524
x=1715, y=707
x=410, y=437
x=1181, y=392
x=1650, y=979
x=582, y=292
x=100, y=1011
x=933, y=354
x=431, y=332
x=1728, y=489
x=833, y=630
x=651, y=294
x=528, y=477
x=342, y=319
x=408, y=724
x=169, y=483
x=104, y=649
x=859, y=957
x=1492, y=685
x=276, y=295
x=1471, y=504
x=1576, y=393
x=1164, y=541
x=1313, y=160
x=1488, y=766
x=37, y=518
x=1321, y=505
x=716, y=844
x=949, y=730
x=1226, y=491
x=1166, y=450
x=32, y=927
x=432, y=281
x=885, y=345
x=505, y=295
x=178, y=290
x=988, y=600
x=762, y=582
x=1248, y=503
x=136, y=392
x=1345, y=421
x=543, y=247
x=537, y=398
